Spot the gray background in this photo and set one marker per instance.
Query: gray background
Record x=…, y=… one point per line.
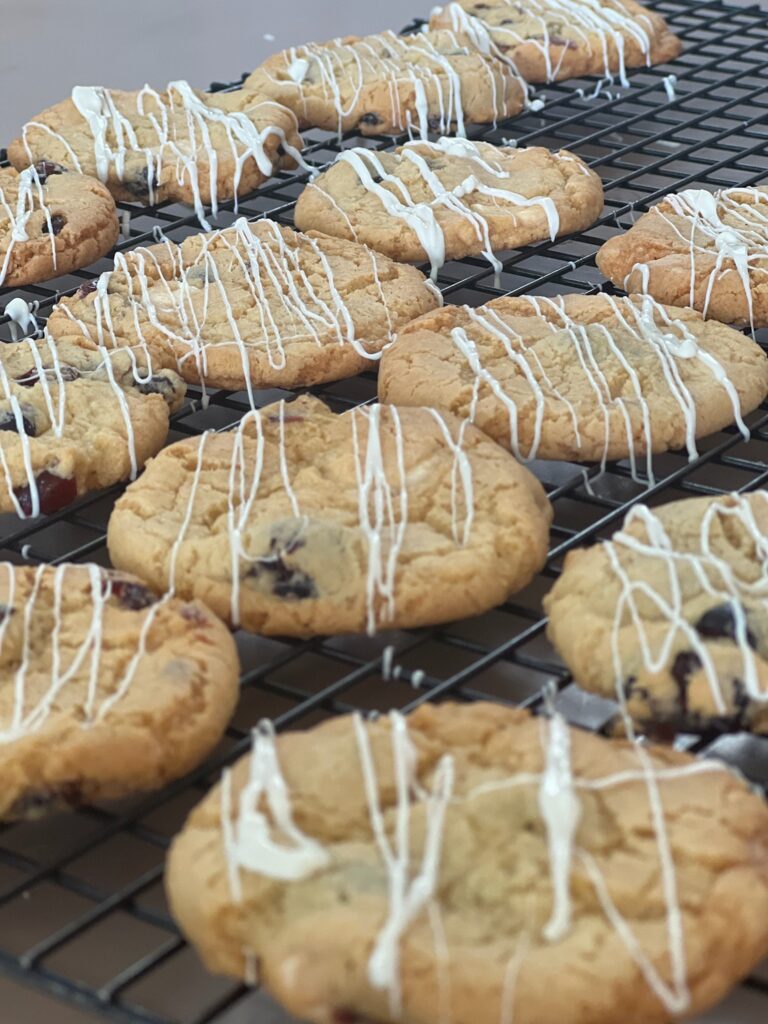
x=47, y=46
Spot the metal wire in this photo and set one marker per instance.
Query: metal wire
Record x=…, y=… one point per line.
x=82, y=918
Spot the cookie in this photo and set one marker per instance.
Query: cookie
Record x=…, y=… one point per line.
x=549, y=40
x=73, y=421
x=450, y=199
x=302, y=522
x=105, y=690
x=671, y=615
x=180, y=145
x=699, y=249
x=386, y=84
x=52, y=223
x=584, y=378
x=256, y=305
x=452, y=864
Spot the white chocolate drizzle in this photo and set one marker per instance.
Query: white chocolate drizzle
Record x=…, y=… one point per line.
x=30, y=196
x=284, y=276
x=669, y=341
x=187, y=146
x=23, y=320
x=421, y=217
x=730, y=226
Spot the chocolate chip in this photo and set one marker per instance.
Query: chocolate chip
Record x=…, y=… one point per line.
x=157, y=385
x=370, y=119
x=435, y=124
x=719, y=623
x=288, y=582
x=132, y=596
x=297, y=584
x=57, y=223
x=54, y=492
x=37, y=802
x=45, y=168
x=138, y=185
x=86, y=289
x=9, y=422
x=683, y=666
x=5, y=611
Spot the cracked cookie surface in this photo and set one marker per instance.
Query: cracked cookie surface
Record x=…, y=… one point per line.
x=550, y=40
x=255, y=305
x=51, y=223
x=179, y=144
x=671, y=615
x=303, y=522
x=701, y=249
x=105, y=690
x=386, y=84
x=576, y=377
x=452, y=198
x=73, y=421
x=465, y=856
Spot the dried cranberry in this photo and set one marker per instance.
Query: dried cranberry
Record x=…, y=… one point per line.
x=156, y=385
x=133, y=596
x=286, y=419
x=54, y=492
x=138, y=184
x=86, y=289
x=38, y=801
x=9, y=422
x=28, y=379
x=370, y=119
x=45, y=168
x=57, y=223
x=194, y=615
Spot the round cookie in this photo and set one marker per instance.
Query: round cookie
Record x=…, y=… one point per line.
x=73, y=421
x=256, y=305
x=550, y=40
x=146, y=146
x=386, y=84
x=105, y=690
x=473, y=863
x=450, y=199
x=302, y=522
x=578, y=377
x=701, y=249
x=52, y=223
x=671, y=615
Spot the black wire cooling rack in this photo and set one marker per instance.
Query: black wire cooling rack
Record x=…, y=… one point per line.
x=85, y=934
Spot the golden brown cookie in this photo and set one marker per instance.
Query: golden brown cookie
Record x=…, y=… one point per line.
x=671, y=615
x=256, y=305
x=105, y=690
x=475, y=864
x=701, y=249
x=52, y=223
x=549, y=40
x=73, y=421
x=451, y=198
x=147, y=146
x=578, y=377
x=302, y=522
x=385, y=84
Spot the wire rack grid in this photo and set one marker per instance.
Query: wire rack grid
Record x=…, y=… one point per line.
x=85, y=933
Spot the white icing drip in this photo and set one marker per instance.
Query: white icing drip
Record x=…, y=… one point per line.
x=22, y=318
x=30, y=196
x=282, y=276
x=511, y=974
x=421, y=217
x=731, y=225
x=186, y=148
x=249, y=841
x=669, y=341
x=561, y=812
x=712, y=573
x=342, y=71
x=670, y=81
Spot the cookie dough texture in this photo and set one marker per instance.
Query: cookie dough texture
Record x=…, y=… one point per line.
x=180, y=144
x=386, y=84
x=379, y=518
x=73, y=421
x=577, y=377
x=700, y=249
x=670, y=615
x=478, y=948
x=80, y=719
x=256, y=304
x=52, y=223
x=548, y=41
x=473, y=195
